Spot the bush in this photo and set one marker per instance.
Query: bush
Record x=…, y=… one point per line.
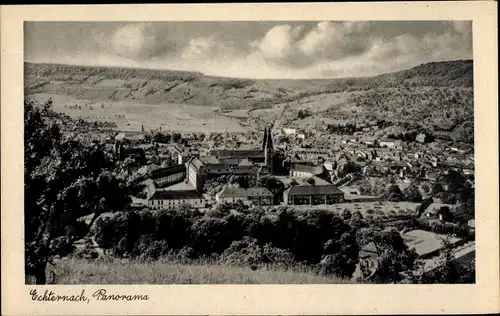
x=251, y=237
x=248, y=252
x=243, y=252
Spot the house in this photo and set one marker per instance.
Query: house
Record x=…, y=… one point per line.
x=330, y=165
x=168, y=199
x=386, y=142
x=349, y=139
x=238, y=162
x=305, y=171
x=420, y=138
x=183, y=154
x=471, y=223
x=256, y=196
x=145, y=170
x=431, y=176
x=370, y=141
x=368, y=259
x=289, y=131
x=315, y=194
x=391, y=143
x=163, y=177
x=468, y=171
x=438, y=210
x=133, y=136
x=312, y=154
x=461, y=149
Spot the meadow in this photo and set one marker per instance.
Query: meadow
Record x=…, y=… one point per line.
x=115, y=271
x=132, y=116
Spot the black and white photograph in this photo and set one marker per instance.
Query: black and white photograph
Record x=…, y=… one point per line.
x=249, y=152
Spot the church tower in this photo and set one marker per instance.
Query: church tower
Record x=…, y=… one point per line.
x=267, y=146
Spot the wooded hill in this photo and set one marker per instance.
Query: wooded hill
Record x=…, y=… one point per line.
x=167, y=86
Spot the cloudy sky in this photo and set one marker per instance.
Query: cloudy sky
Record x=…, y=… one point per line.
x=297, y=49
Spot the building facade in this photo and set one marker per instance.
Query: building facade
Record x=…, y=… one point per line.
x=166, y=199
x=235, y=162
x=256, y=196
x=326, y=194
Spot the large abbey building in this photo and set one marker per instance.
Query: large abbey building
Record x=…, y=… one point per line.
x=235, y=162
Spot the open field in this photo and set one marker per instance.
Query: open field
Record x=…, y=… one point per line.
x=130, y=115
x=113, y=271
x=379, y=209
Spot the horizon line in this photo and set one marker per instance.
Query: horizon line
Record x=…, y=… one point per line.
x=245, y=78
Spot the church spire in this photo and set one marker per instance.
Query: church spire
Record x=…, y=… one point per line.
x=267, y=140
x=264, y=139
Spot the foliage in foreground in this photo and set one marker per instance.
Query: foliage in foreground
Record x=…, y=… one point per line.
x=319, y=239
x=64, y=179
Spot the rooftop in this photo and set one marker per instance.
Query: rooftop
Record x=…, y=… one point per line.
x=314, y=189
x=175, y=195
x=305, y=168
x=369, y=250
x=241, y=192
x=225, y=153
x=425, y=242
x=245, y=162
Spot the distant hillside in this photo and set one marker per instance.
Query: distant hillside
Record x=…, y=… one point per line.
x=447, y=73
x=165, y=86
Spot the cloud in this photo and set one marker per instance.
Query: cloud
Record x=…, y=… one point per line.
x=141, y=41
x=208, y=47
x=280, y=50
x=334, y=40
x=278, y=43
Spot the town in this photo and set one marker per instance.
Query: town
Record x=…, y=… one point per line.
x=385, y=179
x=346, y=182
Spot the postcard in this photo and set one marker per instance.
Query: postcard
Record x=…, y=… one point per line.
x=305, y=158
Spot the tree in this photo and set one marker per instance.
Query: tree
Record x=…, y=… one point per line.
x=64, y=180
x=412, y=194
x=394, y=257
x=437, y=188
x=162, y=138
x=303, y=114
x=342, y=255
x=176, y=137
x=274, y=185
x=393, y=193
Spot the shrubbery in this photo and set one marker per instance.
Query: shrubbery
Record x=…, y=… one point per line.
x=243, y=236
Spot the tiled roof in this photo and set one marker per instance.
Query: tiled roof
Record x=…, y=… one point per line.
x=224, y=153
x=245, y=162
x=210, y=160
x=163, y=172
x=386, y=140
x=314, y=190
x=241, y=192
x=197, y=162
x=369, y=250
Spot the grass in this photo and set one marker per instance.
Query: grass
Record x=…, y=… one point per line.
x=113, y=271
